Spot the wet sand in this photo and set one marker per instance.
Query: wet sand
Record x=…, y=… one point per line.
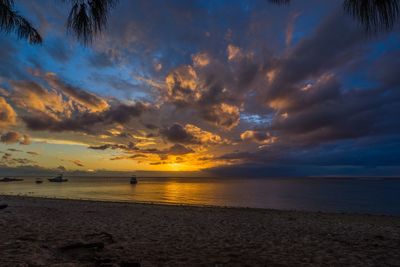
x=50, y=232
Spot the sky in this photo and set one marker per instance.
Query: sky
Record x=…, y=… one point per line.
x=226, y=88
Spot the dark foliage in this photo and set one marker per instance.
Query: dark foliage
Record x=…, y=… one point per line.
x=88, y=18
x=374, y=15
x=11, y=21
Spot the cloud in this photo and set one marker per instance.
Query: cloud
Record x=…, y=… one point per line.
x=178, y=149
x=100, y=147
x=225, y=115
x=190, y=134
x=233, y=52
x=10, y=138
x=32, y=97
x=7, y=113
x=89, y=100
x=201, y=59
x=177, y=134
x=61, y=168
x=260, y=137
x=14, y=150
x=317, y=54
x=131, y=157
x=77, y=163
x=14, y=137
x=215, y=89
x=8, y=160
x=84, y=122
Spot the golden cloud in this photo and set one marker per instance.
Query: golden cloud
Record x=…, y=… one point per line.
x=84, y=98
x=7, y=113
x=259, y=137
x=201, y=59
x=233, y=52
x=33, y=97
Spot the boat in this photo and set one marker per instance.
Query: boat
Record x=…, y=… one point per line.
x=38, y=181
x=9, y=179
x=133, y=179
x=58, y=179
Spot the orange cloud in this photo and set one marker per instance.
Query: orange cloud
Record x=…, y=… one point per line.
x=7, y=113
x=233, y=52
x=201, y=59
x=182, y=86
x=259, y=137
x=86, y=99
x=33, y=97
x=225, y=115
x=204, y=137
x=15, y=137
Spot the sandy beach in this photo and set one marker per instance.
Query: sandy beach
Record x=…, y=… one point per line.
x=50, y=232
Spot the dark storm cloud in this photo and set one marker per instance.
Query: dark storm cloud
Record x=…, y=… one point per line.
x=335, y=43
x=386, y=69
x=214, y=88
x=176, y=149
x=312, y=104
x=340, y=115
x=84, y=122
x=150, y=126
x=177, y=134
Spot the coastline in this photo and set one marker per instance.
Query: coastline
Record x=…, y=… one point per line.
x=70, y=232
x=189, y=205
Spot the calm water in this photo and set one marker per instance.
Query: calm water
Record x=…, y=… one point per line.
x=378, y=196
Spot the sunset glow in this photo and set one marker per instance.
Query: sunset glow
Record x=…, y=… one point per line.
x=256, y=86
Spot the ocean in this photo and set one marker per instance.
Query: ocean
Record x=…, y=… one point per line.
x=351, y=195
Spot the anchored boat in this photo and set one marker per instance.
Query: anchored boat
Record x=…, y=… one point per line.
x=9, y=179
x=58, y=179
x=133, y=179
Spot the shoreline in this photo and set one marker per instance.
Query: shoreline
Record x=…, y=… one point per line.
x=60, y=232
x=151, y=203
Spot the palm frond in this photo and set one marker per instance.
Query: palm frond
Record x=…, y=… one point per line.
x=88, y=18
x=11, y=21
x=280, y=2
x=374, y=15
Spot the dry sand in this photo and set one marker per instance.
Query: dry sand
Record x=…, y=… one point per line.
x=48, y=232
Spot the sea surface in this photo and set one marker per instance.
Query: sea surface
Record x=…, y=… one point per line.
x=359, y=195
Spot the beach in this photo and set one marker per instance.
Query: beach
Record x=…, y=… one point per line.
x=55, y=232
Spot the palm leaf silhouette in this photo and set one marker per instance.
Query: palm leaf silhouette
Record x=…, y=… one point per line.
x=373, y=15
x=11, y=21
x=88, y=18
